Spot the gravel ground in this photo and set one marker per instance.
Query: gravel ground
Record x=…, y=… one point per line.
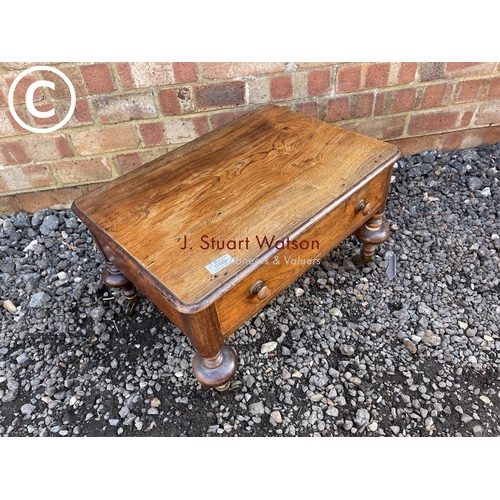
x=344, y=351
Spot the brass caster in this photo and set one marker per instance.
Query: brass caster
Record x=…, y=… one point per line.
x=129, y=310
x=361, y=259
x=231, y=386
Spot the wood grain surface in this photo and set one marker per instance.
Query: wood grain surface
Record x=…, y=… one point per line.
x=263, y=176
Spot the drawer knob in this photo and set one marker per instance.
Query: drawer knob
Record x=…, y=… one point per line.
x=363, y=207
x=262, y=291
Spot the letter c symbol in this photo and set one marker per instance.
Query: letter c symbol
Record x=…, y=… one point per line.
x=29, y=99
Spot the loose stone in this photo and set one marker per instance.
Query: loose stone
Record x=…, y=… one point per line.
x=410, y=346
x=276, y=416
x=268, y=347
x=9, y=305
x=431, y=339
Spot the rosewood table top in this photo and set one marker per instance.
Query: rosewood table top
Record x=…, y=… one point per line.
x=203, y=216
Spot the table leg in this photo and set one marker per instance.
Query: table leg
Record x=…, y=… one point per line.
x=216, y=371
x=214, y=363
x=113, y=277
x=370, y=234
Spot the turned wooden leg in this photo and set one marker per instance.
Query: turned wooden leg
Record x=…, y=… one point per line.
x=112, y=277
x=370, y=234
x=214, y=363
x=217, y=371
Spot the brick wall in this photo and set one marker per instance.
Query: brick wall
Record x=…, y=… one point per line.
x=129, y=113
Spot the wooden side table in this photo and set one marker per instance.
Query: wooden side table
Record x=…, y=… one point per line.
x=213, y=230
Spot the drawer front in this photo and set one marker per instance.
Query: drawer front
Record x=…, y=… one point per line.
x=257, y=289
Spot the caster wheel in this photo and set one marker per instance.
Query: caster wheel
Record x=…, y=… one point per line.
x=360, y=259
x=129, y=310
x=232, y=386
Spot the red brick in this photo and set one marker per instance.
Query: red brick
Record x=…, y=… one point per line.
x=152, y=134
x=414, y=145
x=377, y=75
x=9, y=205
x=450, y=141
x=308, y=108
x=352, y=106
x=221, y=95
x=125, y=74
x=222, y=118
x=403, y=100
x=361, y=105
x=492, y=135
x=98, y=78
x=130, y=161
x=105, y=139
x=3, y=99
x=62, y=146
x=433, y=121
x=281, y=87
x=407, y=72
x=170, y=102
x=433, y=96
x=463, y=139
x=318, y=82
x=57, y=199
x=429, y=71
x=124, y=107
x=222, y=70
x=61, y=90
x=81, y=115
x=470, y=138
x=8, y=126
x=349, y=79
x=146, y=74
x=48, y=147
x=338, y=109
x=26, y=177
x=488, y=114
x=81, y=171
x=172, y=131
x=494, y=89
x=469, y=68
x=13, y=153
x=384, y=128
x=185, y=72
x=395, y=101
x=468, y=90
x=127, y=162
x=19, y=97
x=37, y=122
x=466, y=119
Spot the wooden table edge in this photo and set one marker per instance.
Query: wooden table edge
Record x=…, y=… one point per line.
x=195, y=307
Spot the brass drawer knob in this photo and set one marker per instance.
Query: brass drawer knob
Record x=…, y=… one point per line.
x=363, y=207
x=262, y=291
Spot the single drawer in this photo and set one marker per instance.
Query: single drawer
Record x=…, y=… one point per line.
x=286, y=261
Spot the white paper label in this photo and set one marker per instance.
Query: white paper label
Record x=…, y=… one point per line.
x=216, y=265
